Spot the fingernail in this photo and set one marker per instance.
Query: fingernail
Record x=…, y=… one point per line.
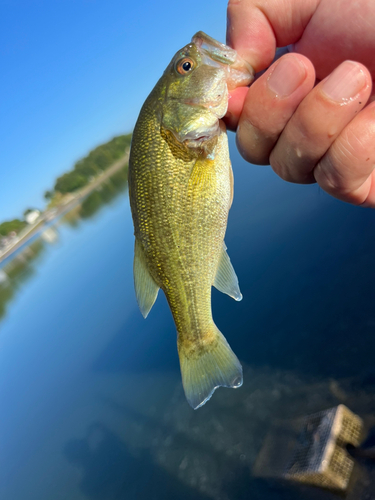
x=345, y=82
x=287, y=76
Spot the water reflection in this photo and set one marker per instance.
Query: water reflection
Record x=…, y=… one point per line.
x=17, y=269
x=215, y=450
x=91, y=394
x=105, y=194
x=50, y=235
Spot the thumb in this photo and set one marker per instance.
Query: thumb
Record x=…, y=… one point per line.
x=256, y=27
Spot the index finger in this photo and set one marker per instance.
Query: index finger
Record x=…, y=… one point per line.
x=256, y=27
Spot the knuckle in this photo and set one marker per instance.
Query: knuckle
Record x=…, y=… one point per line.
x=253, y=146
x=280, y=167
x=351, y=147
x=291, y=163
x=330, y=178
x=349, y=161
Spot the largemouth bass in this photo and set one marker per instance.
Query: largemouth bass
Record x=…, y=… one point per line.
x=181, y=189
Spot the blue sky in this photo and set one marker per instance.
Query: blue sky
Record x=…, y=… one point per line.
x=74, y=73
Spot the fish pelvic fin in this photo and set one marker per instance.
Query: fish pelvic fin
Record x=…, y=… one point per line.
x=146, y=290
x=207, y=366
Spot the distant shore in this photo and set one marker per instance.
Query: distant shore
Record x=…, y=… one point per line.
x=67, y=204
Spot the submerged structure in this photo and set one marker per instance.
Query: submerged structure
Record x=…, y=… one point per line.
x=320, y=457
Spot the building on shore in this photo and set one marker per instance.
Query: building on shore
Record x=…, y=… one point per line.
x=32, y=216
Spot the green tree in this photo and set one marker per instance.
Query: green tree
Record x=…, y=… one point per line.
x=14, y=225
x=96, y=161
x=86, y=169
x=70, y=182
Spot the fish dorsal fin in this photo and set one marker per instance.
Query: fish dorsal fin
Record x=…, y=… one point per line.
x=146, y=290
x=226, y=280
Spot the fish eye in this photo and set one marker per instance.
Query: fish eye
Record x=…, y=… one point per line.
x=185, y=65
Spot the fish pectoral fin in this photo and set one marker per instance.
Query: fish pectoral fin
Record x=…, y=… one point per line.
x=146, y=290
x=226, y=280
x=212, y=365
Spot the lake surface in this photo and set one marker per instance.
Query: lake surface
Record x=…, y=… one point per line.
x=92, y=405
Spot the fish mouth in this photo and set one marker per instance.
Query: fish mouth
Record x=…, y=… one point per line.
x=238, y=72
x=197, y=137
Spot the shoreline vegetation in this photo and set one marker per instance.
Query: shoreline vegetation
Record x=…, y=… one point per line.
x=23, y=263
x=70, y=189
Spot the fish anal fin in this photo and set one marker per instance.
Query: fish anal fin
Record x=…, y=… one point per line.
x=146, y=290
x=205, y=369
x=226, y=280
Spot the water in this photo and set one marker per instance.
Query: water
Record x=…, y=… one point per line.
x=91, y=400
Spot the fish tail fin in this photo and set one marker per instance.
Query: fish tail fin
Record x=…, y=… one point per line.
x=207, y=366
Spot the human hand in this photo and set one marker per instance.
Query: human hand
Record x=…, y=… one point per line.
x=310, y=114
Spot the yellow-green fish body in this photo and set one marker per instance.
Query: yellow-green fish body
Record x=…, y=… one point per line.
x=181, y=189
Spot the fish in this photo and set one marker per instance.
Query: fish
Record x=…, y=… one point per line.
x=180, y=190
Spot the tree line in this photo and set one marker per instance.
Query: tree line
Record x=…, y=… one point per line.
x=84, y=170
x=98, y=160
